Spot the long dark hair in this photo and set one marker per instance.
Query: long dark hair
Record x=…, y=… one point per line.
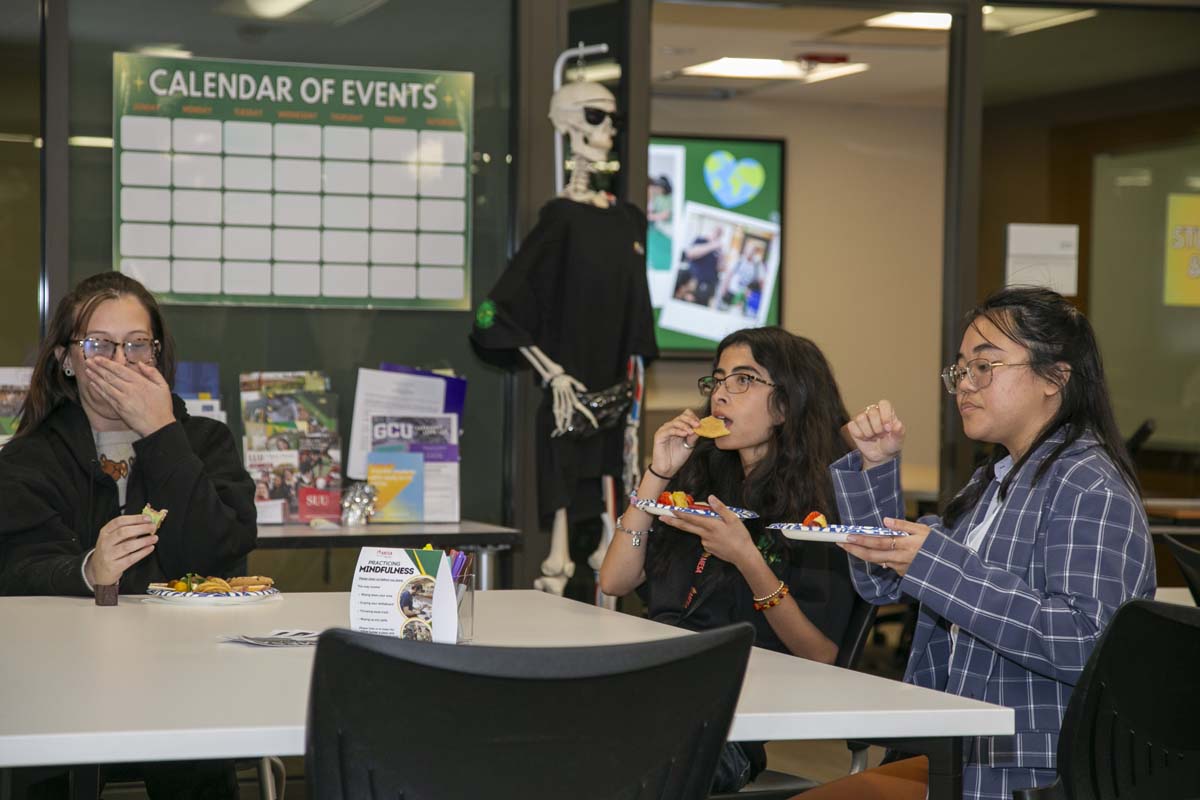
x=50, y=386
x=792, y=478
x=1055, y=333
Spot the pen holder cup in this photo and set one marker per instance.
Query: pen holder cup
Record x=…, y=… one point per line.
x=465, y=590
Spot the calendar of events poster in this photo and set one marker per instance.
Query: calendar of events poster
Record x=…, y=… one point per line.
x=273, y=184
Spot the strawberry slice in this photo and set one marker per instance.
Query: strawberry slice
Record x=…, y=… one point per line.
x=664, y=499
x=816, y=519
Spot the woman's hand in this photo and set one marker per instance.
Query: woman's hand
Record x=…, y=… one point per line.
x=137, y=392
x=673, y=443
x=893, y=552
x=726, y=537
x=123, y=542
x=877, y=433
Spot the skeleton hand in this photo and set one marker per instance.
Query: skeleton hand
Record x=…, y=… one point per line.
x=565, y=391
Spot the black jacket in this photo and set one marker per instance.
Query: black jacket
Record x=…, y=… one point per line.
x=54, y=499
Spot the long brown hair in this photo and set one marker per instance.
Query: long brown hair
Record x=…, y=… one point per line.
x=50, y=386
x=793, y=476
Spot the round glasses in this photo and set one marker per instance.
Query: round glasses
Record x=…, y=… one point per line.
x=136, y=351
x=977, y=371
x=737, y=383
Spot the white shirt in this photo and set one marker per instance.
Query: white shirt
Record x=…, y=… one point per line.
x=976, y=535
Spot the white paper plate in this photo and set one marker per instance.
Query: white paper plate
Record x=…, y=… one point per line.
x=659, y=510
x=210, y=598
x=834, y=533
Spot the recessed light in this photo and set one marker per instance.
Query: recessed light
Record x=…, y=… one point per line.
x=772, y=69
x=912, y=20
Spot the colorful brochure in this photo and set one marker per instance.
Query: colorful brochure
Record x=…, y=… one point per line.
x=435, y=437
x=405, y=593
x=399, y=481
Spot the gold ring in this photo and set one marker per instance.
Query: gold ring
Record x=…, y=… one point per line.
x=873, y=405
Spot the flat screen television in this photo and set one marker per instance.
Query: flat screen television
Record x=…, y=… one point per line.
x=714, y=247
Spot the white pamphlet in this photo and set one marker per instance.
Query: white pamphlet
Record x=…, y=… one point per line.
x=404, y=593
x=380, y=392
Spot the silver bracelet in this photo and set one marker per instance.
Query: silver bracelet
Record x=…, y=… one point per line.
x=637, y=535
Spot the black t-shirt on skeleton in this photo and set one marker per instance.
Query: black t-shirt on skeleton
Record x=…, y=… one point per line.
x=577, y=290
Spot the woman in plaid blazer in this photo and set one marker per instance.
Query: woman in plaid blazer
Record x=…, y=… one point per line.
x=1018, y=577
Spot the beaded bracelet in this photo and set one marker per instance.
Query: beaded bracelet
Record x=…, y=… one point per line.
x=773, y=599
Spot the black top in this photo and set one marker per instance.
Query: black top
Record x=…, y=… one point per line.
x=704, y=268
x=817, y=575
x=54, y=499
x=576, y=289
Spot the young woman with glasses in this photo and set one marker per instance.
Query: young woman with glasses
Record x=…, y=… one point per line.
x=100, y=436
x=1019, y=576
x=777, y=396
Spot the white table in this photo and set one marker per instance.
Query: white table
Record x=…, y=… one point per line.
x=147, y=681
x=1180, y=595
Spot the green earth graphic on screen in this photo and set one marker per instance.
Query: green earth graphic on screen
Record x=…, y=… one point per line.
x=733, y=182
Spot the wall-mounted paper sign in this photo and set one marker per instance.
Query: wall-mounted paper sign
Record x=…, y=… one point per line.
x=1043, y=255
x=271, y=184
x=1181, y=286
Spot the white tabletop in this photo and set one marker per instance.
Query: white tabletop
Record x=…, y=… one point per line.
x=1180, y=595
x=147, y=681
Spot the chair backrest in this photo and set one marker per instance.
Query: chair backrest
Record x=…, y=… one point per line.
x=1188, y=559
x=1130, y=729
x=1134, y=443
x=417, y=720
x=862, y=619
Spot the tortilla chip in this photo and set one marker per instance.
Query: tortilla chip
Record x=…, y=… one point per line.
x=712, y=428
x=156, y=517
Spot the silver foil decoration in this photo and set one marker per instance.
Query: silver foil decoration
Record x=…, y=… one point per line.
x=358, y=504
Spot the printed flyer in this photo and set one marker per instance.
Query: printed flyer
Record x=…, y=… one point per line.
x=435, y=438
x=404, y=593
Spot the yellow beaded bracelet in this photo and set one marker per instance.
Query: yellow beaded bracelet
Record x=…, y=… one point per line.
x=771, y=600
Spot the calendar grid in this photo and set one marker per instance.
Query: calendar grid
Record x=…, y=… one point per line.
x=338, y=210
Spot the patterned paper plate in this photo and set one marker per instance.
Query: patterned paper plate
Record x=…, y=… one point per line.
x=834, y=533
x=210, y=598
x=660, y=510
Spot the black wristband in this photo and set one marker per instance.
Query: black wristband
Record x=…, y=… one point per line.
x=650, y=469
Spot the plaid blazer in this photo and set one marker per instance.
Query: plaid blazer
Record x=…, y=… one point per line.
x=1061, y=557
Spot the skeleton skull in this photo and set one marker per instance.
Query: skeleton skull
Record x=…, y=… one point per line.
x=585, y=111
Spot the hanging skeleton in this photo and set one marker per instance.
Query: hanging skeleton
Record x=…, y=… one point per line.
x=575, y=304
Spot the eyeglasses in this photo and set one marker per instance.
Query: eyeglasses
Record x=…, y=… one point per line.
x=737, y=383
x=977, y=371
x=594, y=116
x=136, y=351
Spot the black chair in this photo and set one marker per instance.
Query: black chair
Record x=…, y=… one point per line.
x=1134, y=443
x=1188, y=559
x=417, y=720
x=1129, y=731
x=775, y=785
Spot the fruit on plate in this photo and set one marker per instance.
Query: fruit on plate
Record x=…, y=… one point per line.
x=682, y=500
x=712, y=428
x=156, y=517
x=816, y=519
